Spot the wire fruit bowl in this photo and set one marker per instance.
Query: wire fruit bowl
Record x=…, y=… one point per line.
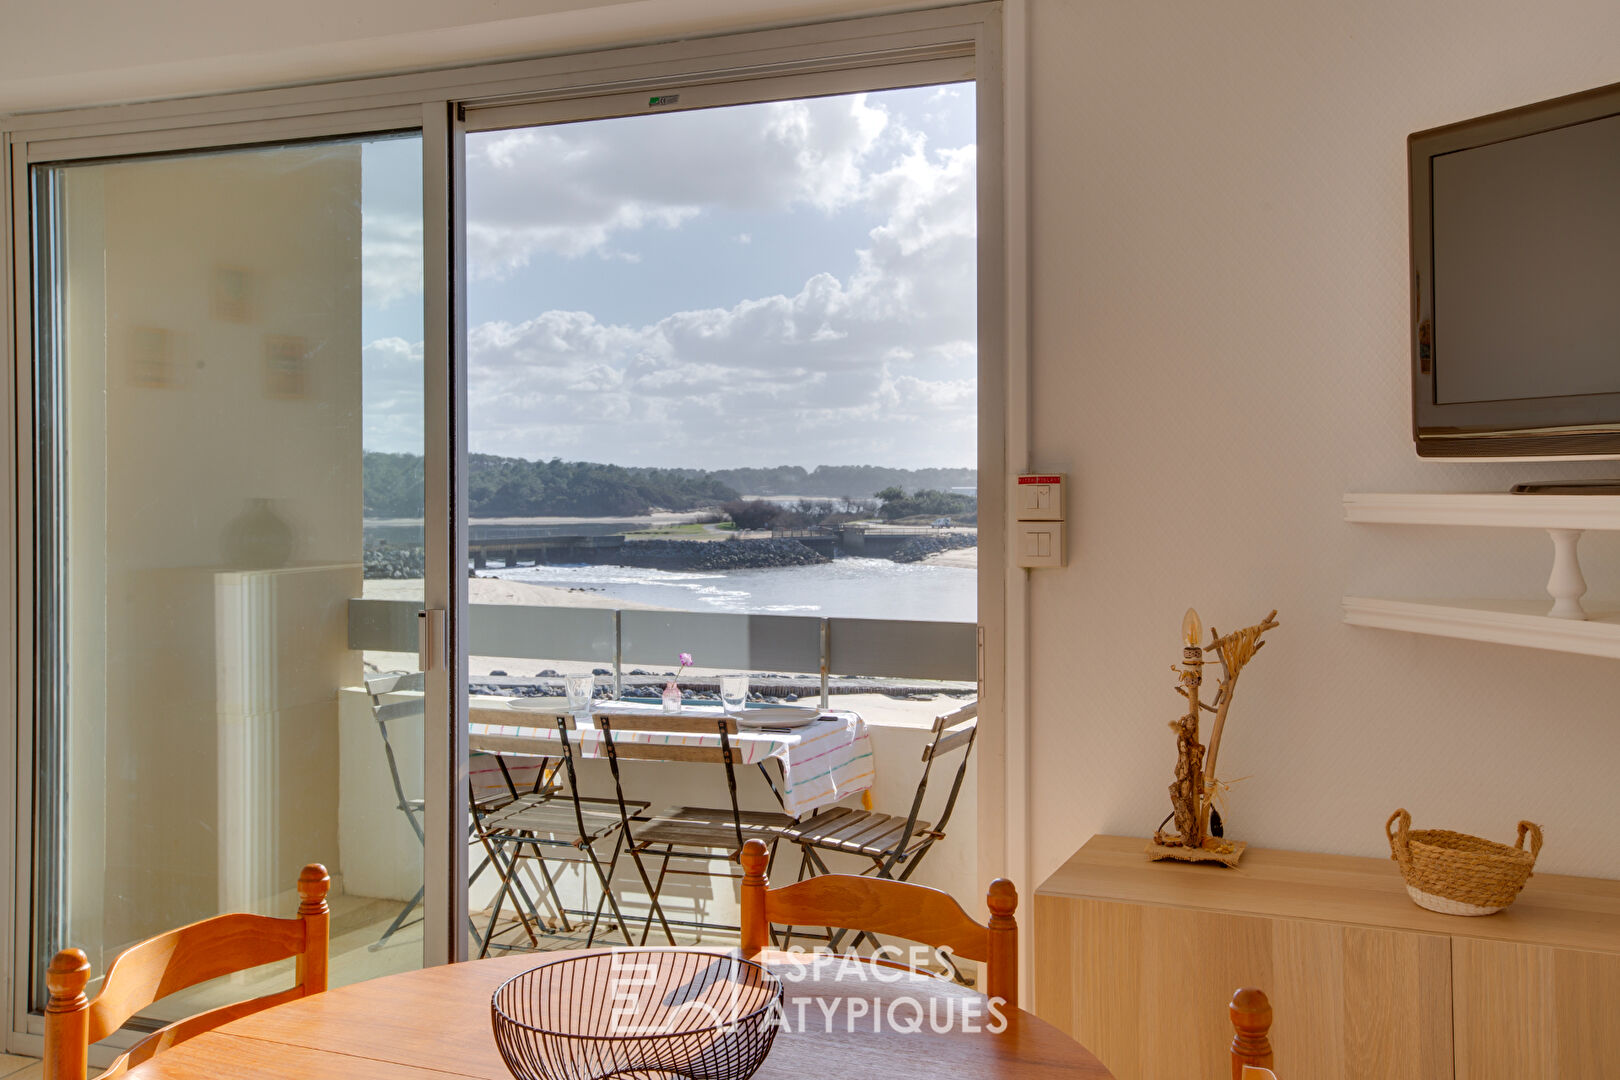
x=637, y=1013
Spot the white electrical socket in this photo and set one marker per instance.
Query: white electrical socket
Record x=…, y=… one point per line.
x=1040, y=543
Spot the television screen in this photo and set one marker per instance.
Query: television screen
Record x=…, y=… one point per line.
x=1516, y=263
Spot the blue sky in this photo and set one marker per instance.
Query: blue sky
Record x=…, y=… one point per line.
x=781, y=283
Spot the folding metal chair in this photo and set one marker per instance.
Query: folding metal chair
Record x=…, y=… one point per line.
x=890, y=842
x=528, y=829
x=406, y=689
x=695, y=833
x=494, y=785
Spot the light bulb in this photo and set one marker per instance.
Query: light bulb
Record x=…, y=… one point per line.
x=1191, y=627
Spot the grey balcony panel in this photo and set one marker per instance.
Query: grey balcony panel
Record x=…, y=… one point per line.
x=914, y=650
x=717, y=640
x=785, y=643
x=535, y=633
x=540, y=633
x=383, y=625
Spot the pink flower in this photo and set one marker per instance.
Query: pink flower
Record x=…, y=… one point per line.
x=685, y=658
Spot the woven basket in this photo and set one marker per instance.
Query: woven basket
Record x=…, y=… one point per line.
x=1457, y=874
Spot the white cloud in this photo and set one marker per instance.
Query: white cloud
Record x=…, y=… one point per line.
x=571, y=190
x=392, y=377
x=876, y=366
x=390, y=257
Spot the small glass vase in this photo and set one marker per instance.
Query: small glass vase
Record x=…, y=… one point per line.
x=672, y=698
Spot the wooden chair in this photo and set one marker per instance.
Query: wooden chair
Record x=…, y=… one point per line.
x=881, y=906
x=1251, y=1043
x=171, y=962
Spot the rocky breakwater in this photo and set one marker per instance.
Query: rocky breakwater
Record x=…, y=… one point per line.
x=716, y=554
x=385, y=561
x=740, y=554
x=919, y=548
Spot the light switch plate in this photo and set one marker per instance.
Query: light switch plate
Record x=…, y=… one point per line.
x=1040, y=543
x=1039, y=497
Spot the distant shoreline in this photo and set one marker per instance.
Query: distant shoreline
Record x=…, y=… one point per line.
x=492, y=590
x=960, y=558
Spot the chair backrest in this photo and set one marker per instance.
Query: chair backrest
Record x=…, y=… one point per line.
x=171, y=962
x=725, y=727
x=489, y=777
x=880, y=906
x=389, y=712
x=955, y=730
x=610, y=722
x=1251, y=1042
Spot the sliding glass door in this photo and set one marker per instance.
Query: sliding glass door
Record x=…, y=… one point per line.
x=223, y=340
x=241, y=360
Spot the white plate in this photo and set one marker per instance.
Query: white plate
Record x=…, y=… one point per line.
x=779, y=716
x=767, y=726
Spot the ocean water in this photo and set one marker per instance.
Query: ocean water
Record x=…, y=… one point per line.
x=843, y=588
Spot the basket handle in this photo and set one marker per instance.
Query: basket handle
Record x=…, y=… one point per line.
x=1400, y=845
x=1535, y=838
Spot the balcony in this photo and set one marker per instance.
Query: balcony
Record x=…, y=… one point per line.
x=898, y=674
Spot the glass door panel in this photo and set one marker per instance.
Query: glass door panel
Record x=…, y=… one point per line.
x=225, y=340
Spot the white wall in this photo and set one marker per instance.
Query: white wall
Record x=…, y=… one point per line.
x=1220, y=303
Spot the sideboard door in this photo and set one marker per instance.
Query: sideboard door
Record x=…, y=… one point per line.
x=1531, y=1012
x=1145, y=988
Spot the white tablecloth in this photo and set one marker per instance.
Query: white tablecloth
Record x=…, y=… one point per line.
x=821, y=763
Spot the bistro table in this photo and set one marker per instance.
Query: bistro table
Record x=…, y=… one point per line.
x=821, y=762
x=435, y=1023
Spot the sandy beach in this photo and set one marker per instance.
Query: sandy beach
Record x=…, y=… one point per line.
x=488, y=590
x=963, y=558
x=483, y=590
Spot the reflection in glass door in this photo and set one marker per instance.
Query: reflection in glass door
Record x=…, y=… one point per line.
x=221, y=339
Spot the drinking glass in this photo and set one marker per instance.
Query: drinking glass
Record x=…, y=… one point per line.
x=580, y=690
x=733, y=692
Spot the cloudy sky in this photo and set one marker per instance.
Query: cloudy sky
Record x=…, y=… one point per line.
x=783, y=283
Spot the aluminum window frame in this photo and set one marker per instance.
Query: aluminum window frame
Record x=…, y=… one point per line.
x=844, y=55
x=18, y=828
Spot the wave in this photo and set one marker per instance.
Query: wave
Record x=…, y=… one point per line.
x=844, y=588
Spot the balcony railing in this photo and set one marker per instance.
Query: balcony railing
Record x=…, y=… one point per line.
x=893, y=648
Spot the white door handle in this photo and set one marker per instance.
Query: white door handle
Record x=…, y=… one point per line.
x=430, y=639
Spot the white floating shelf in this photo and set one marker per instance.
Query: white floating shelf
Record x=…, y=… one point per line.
x=1601, y=512
x=1504, y=622
x=1530, y=623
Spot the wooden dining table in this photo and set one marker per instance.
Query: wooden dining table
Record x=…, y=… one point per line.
x=434, y=1024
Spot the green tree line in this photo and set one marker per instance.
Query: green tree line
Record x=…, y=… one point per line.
x=841, y=481
x=925, y=503
x=515, y=487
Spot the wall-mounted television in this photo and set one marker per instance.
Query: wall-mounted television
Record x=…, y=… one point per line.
x=1516, y=282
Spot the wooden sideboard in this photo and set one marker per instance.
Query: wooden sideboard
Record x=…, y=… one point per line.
x=1137, y=960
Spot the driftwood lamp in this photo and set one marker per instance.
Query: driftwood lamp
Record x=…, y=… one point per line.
x=1196, y=832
